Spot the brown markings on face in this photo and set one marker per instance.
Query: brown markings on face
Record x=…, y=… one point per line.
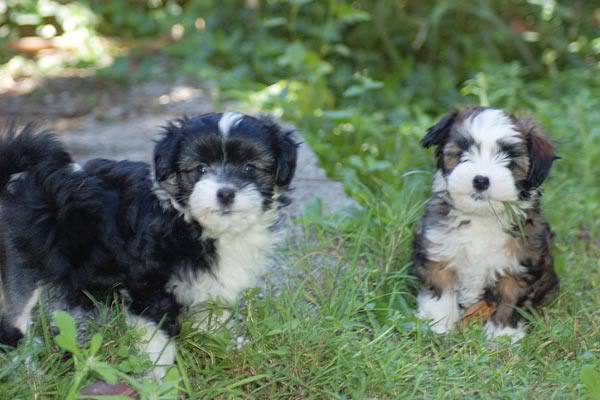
x=520, y=164
x=451, y=156
x=520, y=167
x=458, y=142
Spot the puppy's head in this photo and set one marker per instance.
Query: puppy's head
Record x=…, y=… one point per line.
x=225, y=171
x=486, y=157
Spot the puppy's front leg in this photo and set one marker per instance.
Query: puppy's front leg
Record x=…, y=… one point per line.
x=506, y=321
x=437, y=301
x=158, y=316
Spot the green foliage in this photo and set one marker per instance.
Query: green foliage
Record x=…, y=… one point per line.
x=591, y=380
x=86, y=363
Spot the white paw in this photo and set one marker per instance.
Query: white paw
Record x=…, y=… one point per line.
x=158, y=373
x=515, y=334
x=159, y=346
x=443, y=312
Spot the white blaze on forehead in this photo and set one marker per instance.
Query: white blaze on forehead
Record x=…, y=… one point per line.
x=489, y=126
x=228, y=121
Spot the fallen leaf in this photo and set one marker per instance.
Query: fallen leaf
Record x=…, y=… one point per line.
x=479, y=312
x=101, y=388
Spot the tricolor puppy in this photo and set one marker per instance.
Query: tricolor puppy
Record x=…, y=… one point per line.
x=484, y=236
x=194, y=228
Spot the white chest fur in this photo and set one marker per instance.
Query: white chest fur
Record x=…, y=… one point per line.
x=241, y=260
x=477, y=248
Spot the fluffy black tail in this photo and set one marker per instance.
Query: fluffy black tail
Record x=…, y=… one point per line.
x=29, y=149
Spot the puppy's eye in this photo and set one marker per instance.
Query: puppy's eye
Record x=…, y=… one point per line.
x=196, y=169
x=248, y=168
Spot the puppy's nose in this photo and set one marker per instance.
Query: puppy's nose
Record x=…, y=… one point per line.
x=226, y=196
x=481, y=183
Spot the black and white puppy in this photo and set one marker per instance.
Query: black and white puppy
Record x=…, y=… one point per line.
x=484, y=235
x=196, y=228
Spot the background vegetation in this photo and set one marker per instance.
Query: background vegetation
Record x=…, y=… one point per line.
x=362, y=80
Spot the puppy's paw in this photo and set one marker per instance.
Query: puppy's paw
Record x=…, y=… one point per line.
x=9, y=335
x=440, y=327
x=443, y=312
x=158, y=372
x=493, y=331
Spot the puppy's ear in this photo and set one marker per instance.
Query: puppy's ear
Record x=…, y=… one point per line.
x=541, y=153
x=165, y=152
x=285, y=148
x=439, y=132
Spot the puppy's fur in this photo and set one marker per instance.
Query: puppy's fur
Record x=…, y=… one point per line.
x=196, y=227
x=484, y=235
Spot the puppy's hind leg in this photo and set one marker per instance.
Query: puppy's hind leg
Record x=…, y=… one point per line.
x=21, y=295
x=506, y=320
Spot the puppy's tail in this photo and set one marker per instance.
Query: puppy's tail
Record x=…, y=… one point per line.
x=29, y=150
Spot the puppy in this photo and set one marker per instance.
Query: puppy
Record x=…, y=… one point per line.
x=196, y=227
x=484, y=235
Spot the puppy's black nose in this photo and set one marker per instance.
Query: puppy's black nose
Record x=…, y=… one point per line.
x=226, y=196
x=481, y=183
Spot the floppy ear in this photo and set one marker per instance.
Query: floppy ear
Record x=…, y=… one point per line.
x=285, y=148
x=165, y=153
x=541, y=154
x=439, y=132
